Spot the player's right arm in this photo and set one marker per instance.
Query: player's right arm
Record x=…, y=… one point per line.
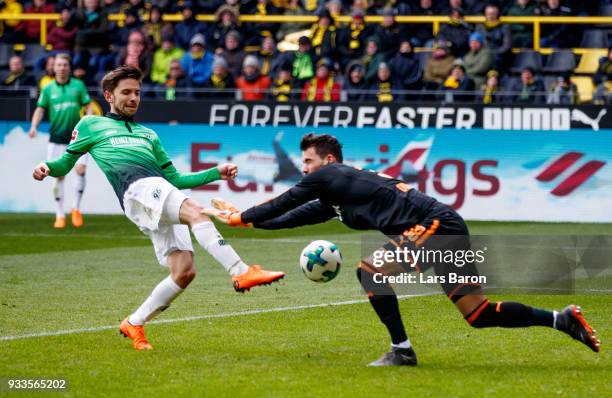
x=80, y=143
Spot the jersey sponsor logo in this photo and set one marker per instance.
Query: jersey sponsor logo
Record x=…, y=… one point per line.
x=75, y=134
x=65, y=105
x=130, y=142
x=577, y=177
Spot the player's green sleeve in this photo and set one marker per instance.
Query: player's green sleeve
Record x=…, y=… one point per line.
x=85, y=99
x=81, y=142
x=182, y=180
x=62, y=166
x=43, y=99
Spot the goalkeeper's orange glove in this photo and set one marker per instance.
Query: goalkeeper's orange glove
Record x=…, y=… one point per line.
x=231, y=218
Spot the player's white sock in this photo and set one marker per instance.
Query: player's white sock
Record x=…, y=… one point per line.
x=80, y=187
x=211, y=240
x=555, y=313
x=58, y=195
x=404, y=344
x=160, y=299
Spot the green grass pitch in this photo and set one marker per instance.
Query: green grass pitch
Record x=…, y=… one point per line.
x=215, y=342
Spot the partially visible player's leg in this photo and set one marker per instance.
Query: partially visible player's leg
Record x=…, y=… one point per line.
x=54, y=151
x=384, y=302
x=75, y=211
x=205, y=232
x=479, y=312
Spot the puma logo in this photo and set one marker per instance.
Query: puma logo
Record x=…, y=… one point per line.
x=579, y=116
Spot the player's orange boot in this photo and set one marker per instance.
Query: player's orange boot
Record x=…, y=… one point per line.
x=255, y=276
x=76, y=217
x=136, y=333
x=60, y=222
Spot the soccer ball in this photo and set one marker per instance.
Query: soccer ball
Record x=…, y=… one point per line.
x=320, y=261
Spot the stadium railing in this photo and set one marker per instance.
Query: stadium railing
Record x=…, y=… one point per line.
x=435, y=21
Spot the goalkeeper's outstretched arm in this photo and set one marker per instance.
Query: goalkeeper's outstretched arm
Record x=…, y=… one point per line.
x=314, y=212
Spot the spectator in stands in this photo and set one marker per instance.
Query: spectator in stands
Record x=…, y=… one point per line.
x=389, y=34
x=323, y=87
x=335, y=9
x=252, y=84
x=529, y=90
x=371, y=59
x=404, y=66
x=491, y=92
x=63, y=33
x=135, y=53
x=456, y=31
x=17, y=77
x=603, y=80
x=131, y=23
x=282, y=89
x=221, y=80
x=352, y=39
x=262, y=29
x=197, y=63
x=302, y=62
x=355, y=85
x=154, y=28
x=29, y=31
x=383, y=88
x=522, y=34
x=556, y=35
x=563, y=92
x=162, y=58
x=176, y=80
x=189, y=27
x=479, y=60
x=227, y=19
x=498, y=37
x=323, y=36
x=48, y=75
x=7, y=27
x=421, y=34
x=438, y=66
x=268, y=57
x=233, y=53
x=458, y=87
x=293, y=8
x=110, y=6
x=359, y=5
x=92, y=38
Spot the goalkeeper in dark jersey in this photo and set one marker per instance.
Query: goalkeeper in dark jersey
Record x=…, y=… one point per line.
x=365, y=200
x=148, y=188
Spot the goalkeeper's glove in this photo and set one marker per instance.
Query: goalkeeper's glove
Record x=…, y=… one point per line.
x=222, y=204
x=231, y=218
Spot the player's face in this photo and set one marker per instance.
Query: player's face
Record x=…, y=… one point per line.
x=124, y=100
x=61, y=68
x=312, y=162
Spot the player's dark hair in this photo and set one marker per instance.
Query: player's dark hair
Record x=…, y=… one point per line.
x=324, y=144
x=111, y=80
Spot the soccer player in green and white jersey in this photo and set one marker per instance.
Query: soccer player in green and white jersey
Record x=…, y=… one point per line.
x=63, y=99
x=147, y=185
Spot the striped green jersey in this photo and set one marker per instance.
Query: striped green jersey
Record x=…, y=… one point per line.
x=125, y=151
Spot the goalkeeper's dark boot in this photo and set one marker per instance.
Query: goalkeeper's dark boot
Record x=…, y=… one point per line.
x=397, y=357
x=571, y=321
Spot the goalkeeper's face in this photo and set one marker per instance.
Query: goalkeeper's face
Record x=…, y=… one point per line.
x=311, y=161
x=125, y=98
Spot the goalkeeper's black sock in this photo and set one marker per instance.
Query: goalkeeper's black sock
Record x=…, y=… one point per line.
x=384, y=302
x=508, y=314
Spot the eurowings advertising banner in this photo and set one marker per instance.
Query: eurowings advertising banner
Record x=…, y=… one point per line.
x=555, y=172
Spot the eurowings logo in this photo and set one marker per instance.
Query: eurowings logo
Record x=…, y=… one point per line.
x=577, y=177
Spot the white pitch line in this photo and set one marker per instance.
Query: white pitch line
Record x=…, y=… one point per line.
x=194, y=318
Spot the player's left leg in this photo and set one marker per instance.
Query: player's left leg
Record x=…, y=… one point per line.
x=75, y=211
x=479, y=312
x=173, y=248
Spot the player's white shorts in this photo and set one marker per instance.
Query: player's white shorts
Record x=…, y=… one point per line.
x=55, y=151
x=153, y=204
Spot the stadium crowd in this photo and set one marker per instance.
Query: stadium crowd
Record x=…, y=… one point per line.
x=327, y=60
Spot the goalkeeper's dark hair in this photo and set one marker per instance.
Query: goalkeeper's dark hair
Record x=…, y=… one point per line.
x=111, y=80
x=323, y=144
